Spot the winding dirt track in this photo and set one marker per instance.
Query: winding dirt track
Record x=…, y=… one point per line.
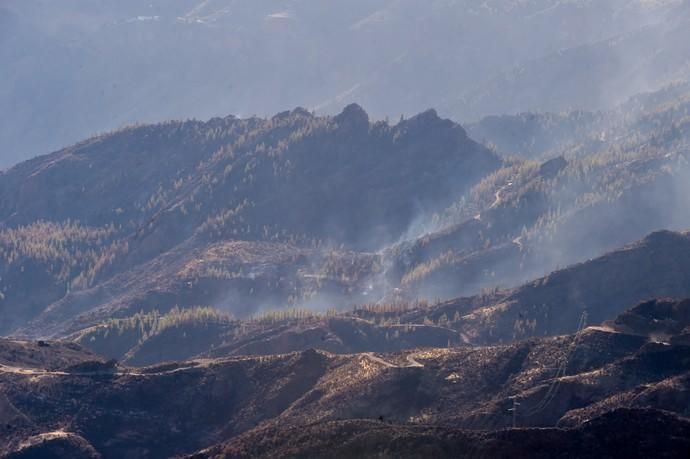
x=29, y=371
x=497, y=197
x=602, y=328
x=497, y=200
x=39, y=372
x=411, y=361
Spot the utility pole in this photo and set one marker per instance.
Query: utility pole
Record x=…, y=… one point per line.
x=514, y=410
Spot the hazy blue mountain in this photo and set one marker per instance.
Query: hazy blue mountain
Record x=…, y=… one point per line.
x=73, y=69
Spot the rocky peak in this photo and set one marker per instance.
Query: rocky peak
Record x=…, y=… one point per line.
x=429, y=123
x=353, y=117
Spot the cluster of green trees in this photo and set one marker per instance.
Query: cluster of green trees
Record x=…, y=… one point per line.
x=146, y=324
x=388, y=308
x=292, y=315
x=71, y=253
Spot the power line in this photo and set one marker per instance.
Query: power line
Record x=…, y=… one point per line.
x=514, y=409
x=560, y=373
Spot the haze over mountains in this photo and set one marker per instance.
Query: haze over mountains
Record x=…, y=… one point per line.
x=77, y=68
x=194, y=265
x=256, y=214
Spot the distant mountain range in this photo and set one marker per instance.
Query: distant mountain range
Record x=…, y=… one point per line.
x=78, y=68
x=249, y=215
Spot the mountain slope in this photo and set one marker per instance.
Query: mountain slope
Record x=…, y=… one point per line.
x=344, y=439
x=148, y=216
x=179, y=408
x=594, y=291
x=603, y=287
x=580, y=133
x=593, y=76
x=531, y=217
x=300, y=210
